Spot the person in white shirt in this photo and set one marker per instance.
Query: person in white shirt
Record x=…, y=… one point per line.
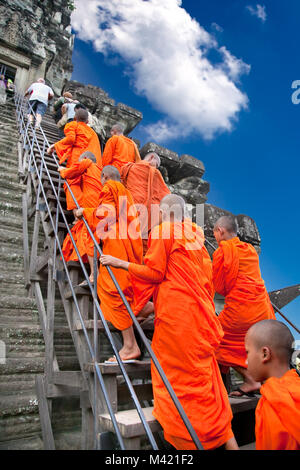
x=39, y=95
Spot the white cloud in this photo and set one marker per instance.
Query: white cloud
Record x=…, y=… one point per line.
x=168, y=55
x=259, y=11
x=217, y=27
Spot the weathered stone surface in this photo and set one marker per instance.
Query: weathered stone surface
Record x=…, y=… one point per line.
x=38, y=32
x=103, y=108
x=2, y=96
x=169, y=159
x=247, y=230
x=23, y=355
x=283, y=297
x=188, y=166
x=193, y=189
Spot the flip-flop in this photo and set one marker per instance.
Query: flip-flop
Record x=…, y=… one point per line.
x=242, y=393
x=85, y=283
x=125, y=361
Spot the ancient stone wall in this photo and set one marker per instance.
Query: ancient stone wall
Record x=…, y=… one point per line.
x=103, y=107
x=36, y=39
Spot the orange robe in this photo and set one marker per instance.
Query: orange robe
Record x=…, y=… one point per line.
x=79, y=137
x=148, y=188
x=278, y=414
x=120, y=150
x=90, y=175
x=186, y=333
x=236, y=275
x=116, y=224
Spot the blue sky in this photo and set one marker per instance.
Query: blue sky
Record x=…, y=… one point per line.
x=254, y=167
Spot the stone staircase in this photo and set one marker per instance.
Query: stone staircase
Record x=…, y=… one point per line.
x=66, y=403
x=20, y=329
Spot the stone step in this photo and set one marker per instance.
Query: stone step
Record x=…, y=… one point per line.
x=20, y=382
x=26, y=423
x=6, y=208
x=10, y=172
x=11, y=186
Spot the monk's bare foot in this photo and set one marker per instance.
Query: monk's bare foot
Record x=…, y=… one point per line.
x=127, y=354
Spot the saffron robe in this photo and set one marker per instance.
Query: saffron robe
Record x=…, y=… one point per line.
x=91, y=187
x=148, y=188
x=120, y=150
x=277, y=414
x=236, y=276
x=79, y=137
x=117, y=226
x=186, y=333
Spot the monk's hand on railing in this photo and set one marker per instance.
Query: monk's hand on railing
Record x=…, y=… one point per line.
x=78, y=213
x=108, y=260
x=50, y=149
x=60, y=169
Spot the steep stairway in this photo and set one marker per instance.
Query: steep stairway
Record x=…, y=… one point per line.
x=20, y=329
x=66, y=378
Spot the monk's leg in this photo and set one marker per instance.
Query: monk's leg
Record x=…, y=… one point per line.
x=146, y=311
x=91, y=263
x=249, y=385
x=130, y=349
x=231, y=444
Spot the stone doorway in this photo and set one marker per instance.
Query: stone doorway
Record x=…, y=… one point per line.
x=8, y=71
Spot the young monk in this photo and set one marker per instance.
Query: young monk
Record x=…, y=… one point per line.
x=116, y=224
x=269, y=346
x=88, y=174
x=79, y=137
x=119, y=149
x=187, y=330
x=236, y=276
x=147, y=186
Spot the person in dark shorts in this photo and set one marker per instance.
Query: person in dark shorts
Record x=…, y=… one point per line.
x=39, y=94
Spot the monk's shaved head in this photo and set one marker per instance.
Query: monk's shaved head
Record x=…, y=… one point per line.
x=117, y=129
x=172, y=207
x=88, y=155
x=227, y=223
x=81, y=115
x=153, y=157
x=272, y=334
x=110, y=172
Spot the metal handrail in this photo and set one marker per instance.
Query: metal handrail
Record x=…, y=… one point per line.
x=273, y=305
x=178, y=405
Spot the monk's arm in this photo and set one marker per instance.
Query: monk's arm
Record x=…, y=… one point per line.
x=155, y=265
x=69, y=139
x=138, y=270
x=108, y=152
x=218, y=272
x=76, y=170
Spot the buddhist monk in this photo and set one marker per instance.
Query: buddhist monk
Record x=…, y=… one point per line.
x=79, y=137
x=88, y=172
x=116, y=224
x=187, y=331
x=269, y=346
x=147, y=186
x=236, y=276
x=119, y=149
